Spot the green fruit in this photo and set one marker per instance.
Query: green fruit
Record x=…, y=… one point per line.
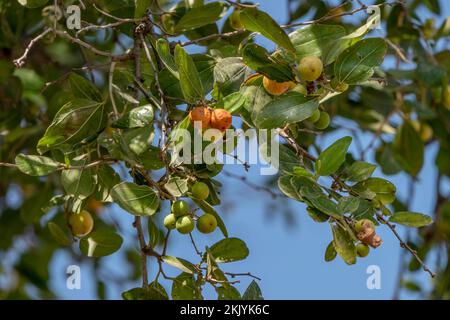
x=207, y=223
x=81, y=223
x=235, y=20
x=184, y=224
x=200, y=190
x=362, y=250
x=323, y=122
x=363, y=224
x=170, y=221
x=310, y=68
x=315, y=116
x=300, y=89
x=180, y=208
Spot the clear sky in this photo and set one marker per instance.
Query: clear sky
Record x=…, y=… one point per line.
x=289, y=259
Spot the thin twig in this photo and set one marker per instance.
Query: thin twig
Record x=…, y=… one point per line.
x=21, y=61
x=138, y=225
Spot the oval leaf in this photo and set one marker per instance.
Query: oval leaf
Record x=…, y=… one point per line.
x=332, y=157
x=411, y=219
x=36, y=165
x=229, y=250
x=100, y=243
x=191, y=86
x=137, y=200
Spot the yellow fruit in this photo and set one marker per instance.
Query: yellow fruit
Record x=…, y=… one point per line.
x=81, y=223
x=184, y=224
x=310, y=68
x=362, y=250
x=276, y=88
x=201, y=115
x=221, y=119
x=170, y=221
x=363, y=224
x=180, y=208
x=200, y=190
x=235, y=20
x=207, y=223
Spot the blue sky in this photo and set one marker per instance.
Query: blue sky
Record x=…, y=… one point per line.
x=288, y=259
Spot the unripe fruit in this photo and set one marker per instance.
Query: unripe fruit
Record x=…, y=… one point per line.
x=207, y=223
x=446, y=96
x=170, y=221
x=200, y=190
x=81, y=224
x=363, y=224
x=221, y=119
x=202, y=115
x=276, y=88
x=235, y=20
x=184, y=224
x=339, y=86
x=300, y=89
x=180, y=208
x=362, y=250
x=323, y=122
x=315, y=116
x=310, y=68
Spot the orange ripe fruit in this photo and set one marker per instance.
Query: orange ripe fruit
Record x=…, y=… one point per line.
x=201, y=114
x=276, y=88
x=221, y=119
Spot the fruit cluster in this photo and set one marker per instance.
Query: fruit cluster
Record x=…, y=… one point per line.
x=366, y=234
x=210, y=118
x=182, y=218
x=309, y=69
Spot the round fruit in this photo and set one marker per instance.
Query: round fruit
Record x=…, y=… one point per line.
x=81, y=223
x=170, y=221
x=363, y=224
x=207, y=223
x=184, y=224
x=310, y=68
x=315, y=116
x=200, y=190
x=235, y=20
x=221, y=119
x=362, y=250
x=339, y=86
x=180, y=208
x=202, y=115
x=323, y=122
x=276, y=88
x=300, y=89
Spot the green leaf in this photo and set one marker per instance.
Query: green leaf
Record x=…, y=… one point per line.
x=408, y=148
x=179, y=263
x=291, y=186
x=344, y=245
x=330, y=252
x=257, y=21
x=137, y=200
x=191, y=86
x=348, y=204
x=100, y=243
x=163, y=50
x=207, y=208
x=321, y=202
x=177, y=186
x=75, y=121
x=78, y=182
x=332, y=157
x=229, y=74
x=184, y=287
x=288, y=108
x=59, y=235
x=356, y=64
x=287, y=159
x=83, y=88
x=253, y=292
x=232, y=102
x=200, y=16
x=141, y=7
x=36, y=165
x=136, y=118
x=359, y=171
x=229, y=250
x=155, y=234
x=411, y=219
x=152, y=292
x=320, y=40
x=258, y=59
x=227, y=293
x=107, y=178
x=383, y=189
